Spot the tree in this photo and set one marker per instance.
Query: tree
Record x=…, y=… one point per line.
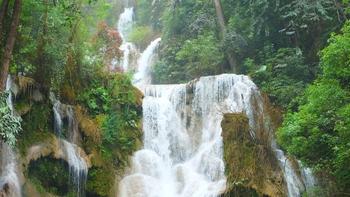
x=3, y=12
x=318, y=133
x=11, y=38
x=221, y=20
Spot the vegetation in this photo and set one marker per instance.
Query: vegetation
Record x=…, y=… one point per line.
x=51, y=175
x=68, y=49
x=282, y=45
x=71, y=49
x=318, y=132
x=10, y=125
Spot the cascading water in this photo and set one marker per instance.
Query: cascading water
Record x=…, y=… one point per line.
x=9, y=178
x=294, y=183
x=142, y=75
x=125, y=23
x=78, y=167
x=182, y=154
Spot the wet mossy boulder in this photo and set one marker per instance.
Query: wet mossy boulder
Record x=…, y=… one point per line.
x=251, y=168
x=50, y=175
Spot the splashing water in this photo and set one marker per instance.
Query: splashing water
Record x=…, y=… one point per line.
x=142, y=75
x=125, y=23
x=294, y=183
x=78, y=168
x=183, y=153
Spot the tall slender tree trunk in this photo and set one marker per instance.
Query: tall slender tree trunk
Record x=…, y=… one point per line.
x=221, y=20
x=3, y=11
x=11, y=38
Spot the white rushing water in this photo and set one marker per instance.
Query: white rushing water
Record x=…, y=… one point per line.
x=9, y=178
x=125, y=24
x=142, y=76
x=182, y=154
x=78, y=168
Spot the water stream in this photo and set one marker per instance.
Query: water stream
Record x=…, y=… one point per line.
x=182, y=154
x=9, y=177
x=125, y=23
x=78, y=168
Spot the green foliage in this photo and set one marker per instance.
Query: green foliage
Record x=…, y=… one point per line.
x=120, y=126
x=10, y=125
x=318, y=133
x=335, y=58
x=36, y=127
x=99, y=182
x=141, y=36
x=283, y=76
x=194, y=55
x=96, y=99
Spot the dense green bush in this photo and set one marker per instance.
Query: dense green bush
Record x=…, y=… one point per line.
x=10, y=125
x=141, y=36
x=318, y=133
x=99, y=182
x=50, y=175
x=283, y=76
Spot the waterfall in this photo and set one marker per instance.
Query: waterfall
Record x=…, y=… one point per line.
x=142, y=76
x=78, y=168
x=58, y=124
x=8, y=89
x=9, y=179
x=125, y=23
x=294, y=183
x=183, y=148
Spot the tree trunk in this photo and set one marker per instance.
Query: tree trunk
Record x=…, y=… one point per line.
x=11, y=38
x=221, y=20
x=3, y=11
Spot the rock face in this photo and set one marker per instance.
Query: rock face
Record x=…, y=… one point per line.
x=251, y=166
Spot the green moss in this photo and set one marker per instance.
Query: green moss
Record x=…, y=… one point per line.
x=250, y=167
x=50, y=175
x=36, y=126
x=100, y=181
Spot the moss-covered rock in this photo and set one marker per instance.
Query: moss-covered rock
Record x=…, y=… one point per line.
x=50, y=175
x=251, y=168
x=100, y=181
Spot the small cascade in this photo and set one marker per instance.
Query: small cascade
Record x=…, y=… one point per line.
x=8, y=89
x=142, y=76
x=78, y=167
x=294, y=183
x=9, y=179
x=307, y=176
x=73, y=128
x=124, y=27
x=58, y=124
